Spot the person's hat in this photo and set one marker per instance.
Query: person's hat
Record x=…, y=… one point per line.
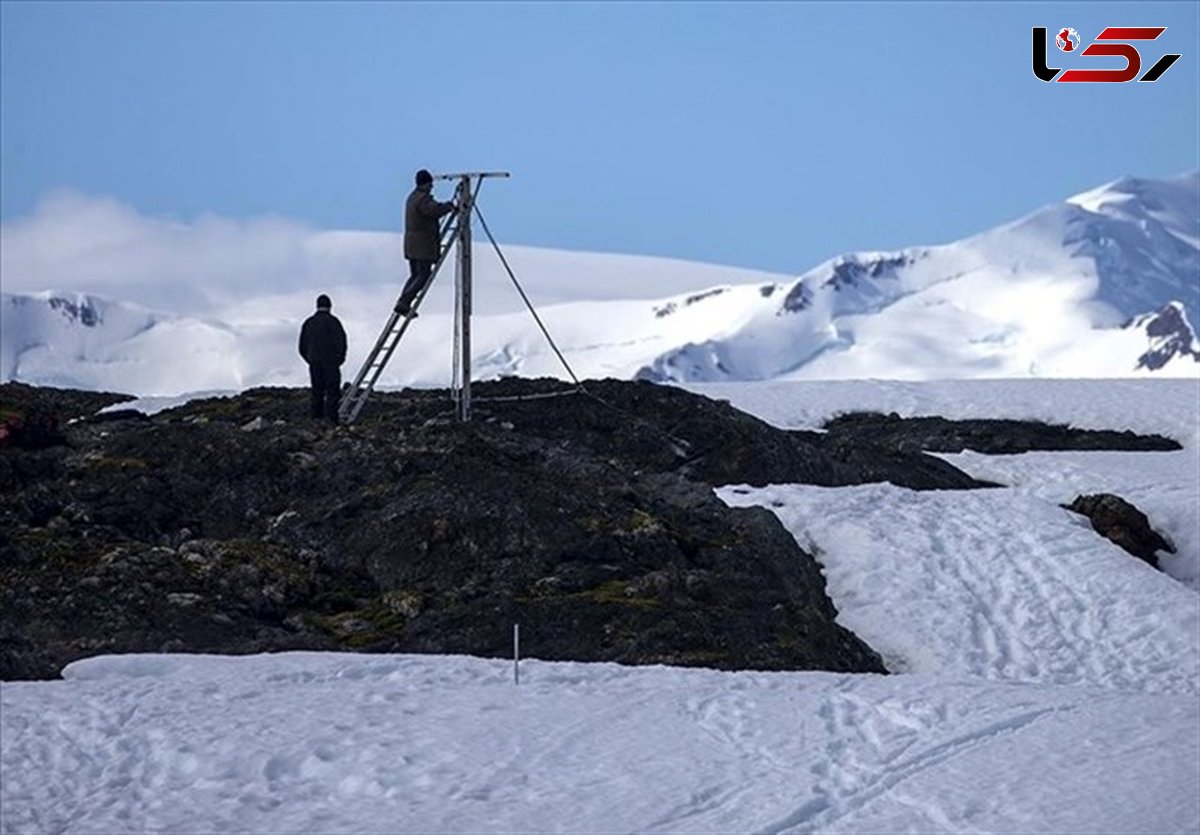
x=424, y=177
x=323, y=302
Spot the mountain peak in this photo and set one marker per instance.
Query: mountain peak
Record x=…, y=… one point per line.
x=1179, y=195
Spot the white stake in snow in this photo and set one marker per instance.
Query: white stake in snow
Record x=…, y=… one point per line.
x=516, y=653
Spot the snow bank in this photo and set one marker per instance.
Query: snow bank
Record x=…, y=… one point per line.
x=154, y=405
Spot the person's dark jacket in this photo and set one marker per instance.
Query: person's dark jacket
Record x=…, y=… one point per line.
x=421, y=212
x=323, y=340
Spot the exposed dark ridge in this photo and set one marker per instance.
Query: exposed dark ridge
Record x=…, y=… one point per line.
x=239, y=525
x=66, y=403
x=991, y=437
x=665, y=428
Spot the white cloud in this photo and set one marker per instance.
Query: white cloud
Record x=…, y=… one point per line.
x=74, y=241
x=267, y=266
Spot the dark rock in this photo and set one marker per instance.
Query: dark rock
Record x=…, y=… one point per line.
x=67, y=403
x=118, y=415
x=34, y=428
x=1122, y=523
x=991, y=437
x=589, y=519
x=645, y=426
x=1170, y=336
x=799, y=298
x=589, y=523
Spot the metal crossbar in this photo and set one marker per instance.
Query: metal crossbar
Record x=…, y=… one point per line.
x=469, y=174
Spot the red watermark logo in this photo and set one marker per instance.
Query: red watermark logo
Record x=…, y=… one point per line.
x=1113, y=41
x=1067, y=40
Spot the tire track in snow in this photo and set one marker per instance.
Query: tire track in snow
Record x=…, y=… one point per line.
x=1023, y=612
x=1054, y=599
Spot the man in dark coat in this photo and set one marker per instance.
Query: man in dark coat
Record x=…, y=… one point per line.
x=422, y=241
x=323, y=346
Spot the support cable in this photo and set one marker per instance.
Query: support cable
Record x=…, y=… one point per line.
x=525, y=298
x=351, y=406
x=579, y=387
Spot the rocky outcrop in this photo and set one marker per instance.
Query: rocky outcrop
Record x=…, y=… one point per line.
x=32, y=418
x=991, y=437
x=238, y=525
x=1170, y=337
x=664, y=428
x=1123, y=524
x=65, y=404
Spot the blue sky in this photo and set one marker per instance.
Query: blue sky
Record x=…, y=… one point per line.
x=769, y=136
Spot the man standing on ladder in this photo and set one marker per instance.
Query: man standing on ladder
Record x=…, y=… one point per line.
x=422, y=239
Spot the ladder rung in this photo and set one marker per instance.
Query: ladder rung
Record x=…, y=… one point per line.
x=386, y=344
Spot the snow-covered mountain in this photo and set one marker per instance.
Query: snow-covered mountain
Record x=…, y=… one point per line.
x=1043, y=296
x=77, y=340
x=1104, y=284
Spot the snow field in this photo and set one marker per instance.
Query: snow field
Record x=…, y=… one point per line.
x=991, y=584
x=345, y=743
x=1049, y=681
x=1163, y=485
x=1004, y=584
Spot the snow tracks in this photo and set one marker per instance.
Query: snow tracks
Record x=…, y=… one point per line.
x=993, y=584
x=332, y=743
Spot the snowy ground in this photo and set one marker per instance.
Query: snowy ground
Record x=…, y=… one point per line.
x=1164, y=485
x=992, y=584
x=340, y=743
x=1050, y=682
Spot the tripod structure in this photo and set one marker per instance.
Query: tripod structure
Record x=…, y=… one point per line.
x=457, y=230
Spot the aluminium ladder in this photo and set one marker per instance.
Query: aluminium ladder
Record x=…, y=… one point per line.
x=357, y=392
